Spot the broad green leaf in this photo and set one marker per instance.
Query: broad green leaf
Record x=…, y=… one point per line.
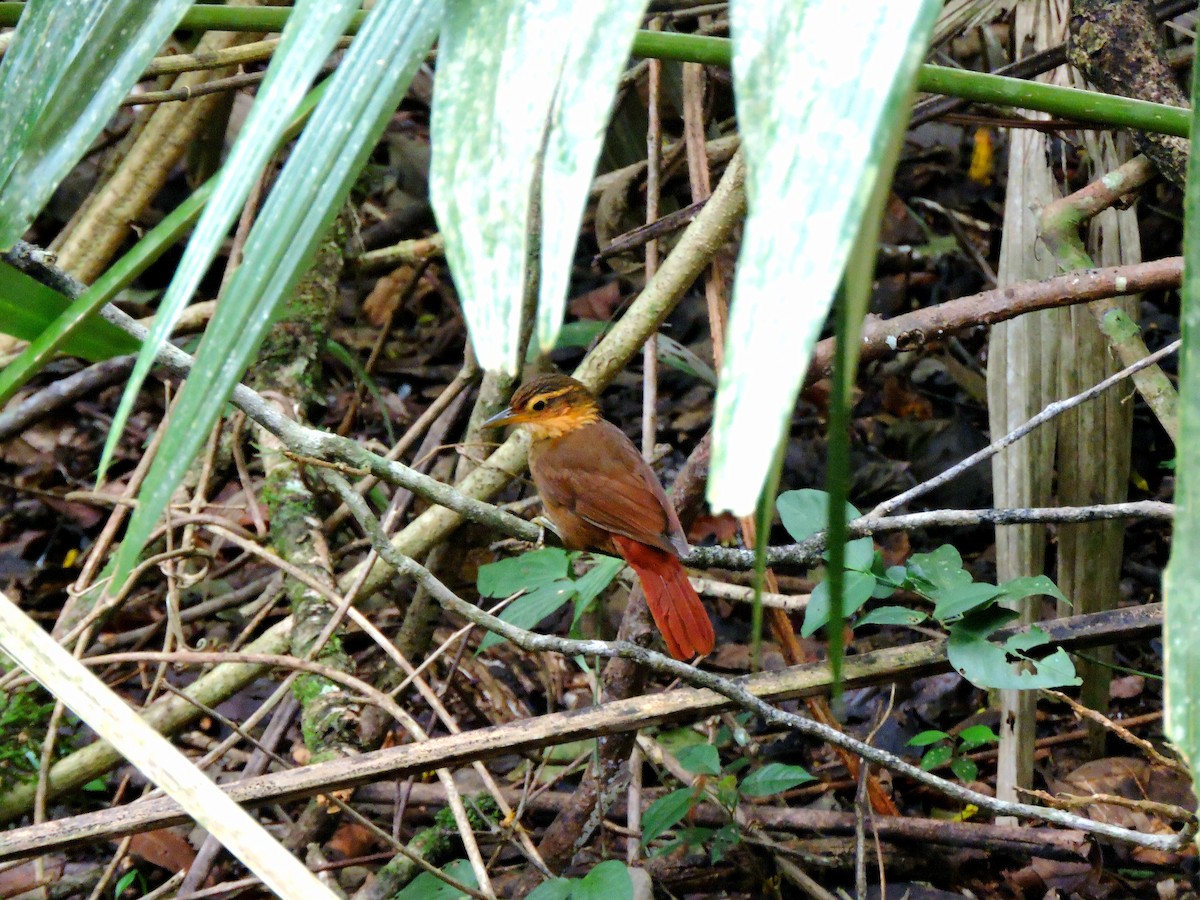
x=1032, y=586
x=608, y=880
x=529, y=609
x=892, y=615
x=349, y=118
x=700, y=759
x=674, y=740
x=517, y=78
x=941, y=568
x=964, y=768
x=311, y=33
x=859, y=587
x=936, y=757
x=523, y=573
x=925, y=738
x=806, y=511
x=70, y=63
x=604, y=569
x=578, y=335
x=820, y=106
x=429, y=887
x=860, y=554
x=991, y=666
x=666, y=812
x=883, y=586
x=1181, y=583
x=774, y=778
x=27, y=306
x=977, y=736
x=956, y=602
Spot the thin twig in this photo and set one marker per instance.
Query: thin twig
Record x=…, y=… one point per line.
x=1122, y=732
x=1051, y=411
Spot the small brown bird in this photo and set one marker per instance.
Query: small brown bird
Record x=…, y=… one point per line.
x=601, y=495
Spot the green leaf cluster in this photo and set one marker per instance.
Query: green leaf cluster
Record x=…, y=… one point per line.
x=546, y=581
x=704, y=761
x=944, y=749
x=968, y=609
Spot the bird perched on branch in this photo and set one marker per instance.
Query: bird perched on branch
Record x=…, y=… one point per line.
x=600, y=494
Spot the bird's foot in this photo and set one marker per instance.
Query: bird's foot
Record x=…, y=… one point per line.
x=544, y=525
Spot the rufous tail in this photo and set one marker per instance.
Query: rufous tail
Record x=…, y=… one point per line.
x=676, y=609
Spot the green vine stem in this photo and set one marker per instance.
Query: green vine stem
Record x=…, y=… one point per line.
x=980, y=87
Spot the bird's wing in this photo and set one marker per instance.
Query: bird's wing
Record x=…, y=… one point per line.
x=603, y=479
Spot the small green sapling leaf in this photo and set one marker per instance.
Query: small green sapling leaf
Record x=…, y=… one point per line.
x=774, y=778
x=977, y=736
x=941, y=568
x=608, y=880
x=925, y=738
x=1034, y=585
x=964, y=768
x=936, y=757
x=429, y=887
x=955, y=602
x=700, y=759
x=666, y=812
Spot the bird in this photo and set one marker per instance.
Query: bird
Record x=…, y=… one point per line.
x=600, y=494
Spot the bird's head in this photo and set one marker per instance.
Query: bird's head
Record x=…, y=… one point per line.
x=550, y=406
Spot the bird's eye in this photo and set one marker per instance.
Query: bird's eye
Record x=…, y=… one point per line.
x=538, y=405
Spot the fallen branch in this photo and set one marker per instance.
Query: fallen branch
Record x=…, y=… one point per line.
x=1018, y=841
x=668, y=707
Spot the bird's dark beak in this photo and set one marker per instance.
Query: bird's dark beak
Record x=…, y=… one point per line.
x=506, y=416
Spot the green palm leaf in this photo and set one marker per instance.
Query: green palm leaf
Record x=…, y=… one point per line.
x=310, y=34
x=522, y=88
x=70, y=63
x=313, y=185
x=817, y=104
